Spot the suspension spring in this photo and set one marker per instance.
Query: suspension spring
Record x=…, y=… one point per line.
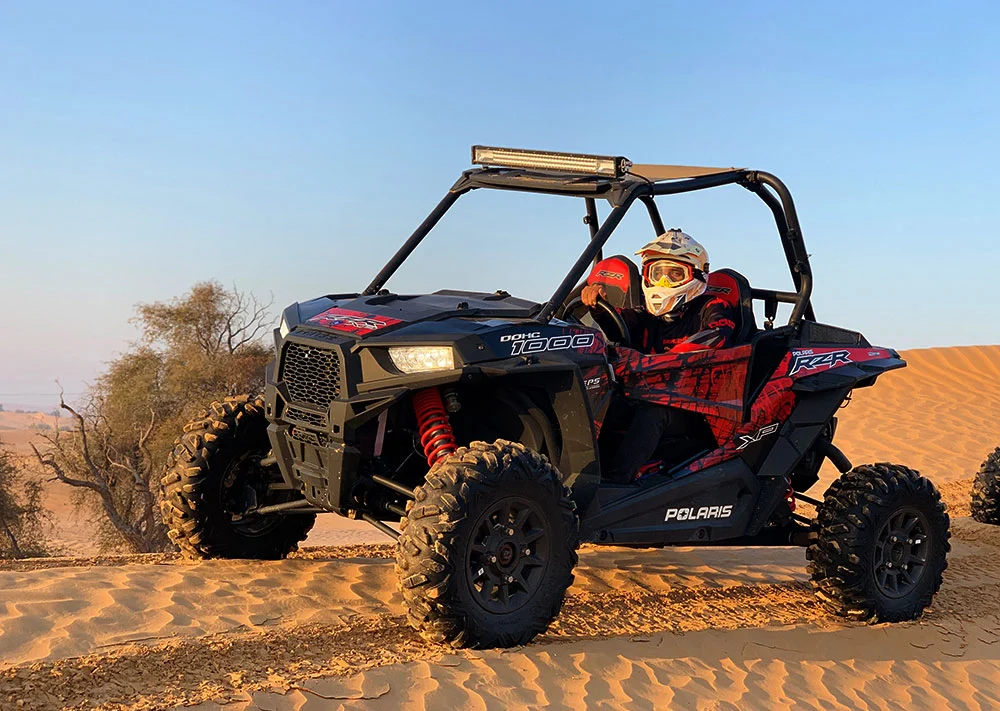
x=436, y=435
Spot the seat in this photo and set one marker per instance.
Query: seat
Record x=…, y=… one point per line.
x=733, y=288
x=621, y=279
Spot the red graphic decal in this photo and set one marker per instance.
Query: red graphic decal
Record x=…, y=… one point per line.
x=354, y=322
x=773, y=405
x=597, y=347
x=709, y=382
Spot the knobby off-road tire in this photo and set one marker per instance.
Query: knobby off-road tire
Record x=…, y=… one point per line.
x=986, y=491
x=211, y=464
x=488, y=547
x=882, y=546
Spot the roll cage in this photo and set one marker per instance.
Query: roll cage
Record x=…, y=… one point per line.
x=643, y=183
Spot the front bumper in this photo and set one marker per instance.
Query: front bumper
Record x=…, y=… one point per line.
x=323, y=414
x=316, y=445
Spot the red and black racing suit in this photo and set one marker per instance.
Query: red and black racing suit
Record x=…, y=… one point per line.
x=706, y=322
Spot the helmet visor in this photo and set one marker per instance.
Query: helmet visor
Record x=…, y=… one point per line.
x=666, y=273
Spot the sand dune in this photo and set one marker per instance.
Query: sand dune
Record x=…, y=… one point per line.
x=685, y=628
x=941, y=416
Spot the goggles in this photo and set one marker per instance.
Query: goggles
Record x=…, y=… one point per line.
x=669, y=273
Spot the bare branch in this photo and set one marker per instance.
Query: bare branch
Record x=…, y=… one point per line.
x=84, y=447
x=49, y=461
x=143, y=445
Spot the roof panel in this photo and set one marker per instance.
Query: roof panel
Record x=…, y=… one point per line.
x=675, y=172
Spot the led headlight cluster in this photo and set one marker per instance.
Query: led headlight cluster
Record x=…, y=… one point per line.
x=420, y=359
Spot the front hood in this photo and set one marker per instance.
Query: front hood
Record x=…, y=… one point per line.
x=408, y=315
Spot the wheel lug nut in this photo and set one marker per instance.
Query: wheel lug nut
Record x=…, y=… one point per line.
x=510, y=578
x=888, y=565
x=527, y=551
x=493, y=559
x=510, y=531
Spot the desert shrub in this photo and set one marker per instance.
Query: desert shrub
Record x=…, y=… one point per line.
x=22, y=517
x=194, y=349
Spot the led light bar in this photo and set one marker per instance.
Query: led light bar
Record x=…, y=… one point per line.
x=607, y=166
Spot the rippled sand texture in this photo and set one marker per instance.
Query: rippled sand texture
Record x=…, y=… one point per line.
x=681, y=628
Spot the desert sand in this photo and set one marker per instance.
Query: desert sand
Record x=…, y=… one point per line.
x=685, y=628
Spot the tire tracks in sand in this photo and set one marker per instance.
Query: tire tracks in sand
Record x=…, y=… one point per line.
x=680, y=634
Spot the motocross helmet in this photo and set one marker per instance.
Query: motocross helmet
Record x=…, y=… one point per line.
x=674, y=271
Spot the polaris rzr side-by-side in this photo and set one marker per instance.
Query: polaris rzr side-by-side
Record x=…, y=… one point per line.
x=478, y=422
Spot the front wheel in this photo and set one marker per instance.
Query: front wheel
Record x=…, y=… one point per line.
x=487, y=548
x=214, y=475
x=882, y=546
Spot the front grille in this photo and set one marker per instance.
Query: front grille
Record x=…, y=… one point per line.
x=311, y=418
x=312, y=375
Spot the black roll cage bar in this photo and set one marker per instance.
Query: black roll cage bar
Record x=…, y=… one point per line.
x=621, y=193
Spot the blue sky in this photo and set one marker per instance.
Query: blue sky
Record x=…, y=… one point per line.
x=290, y=147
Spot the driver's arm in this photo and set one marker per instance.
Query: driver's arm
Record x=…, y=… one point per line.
x=703, y=340
x=592, y=292
x=717, y=329
x=637, y=330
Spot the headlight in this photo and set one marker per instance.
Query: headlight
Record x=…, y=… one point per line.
x=283, y=328
x=418, y=359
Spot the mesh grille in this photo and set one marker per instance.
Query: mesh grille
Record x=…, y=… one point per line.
x=312, y=375
x=312, y=418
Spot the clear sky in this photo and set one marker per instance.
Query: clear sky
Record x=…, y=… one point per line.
x=288, y=148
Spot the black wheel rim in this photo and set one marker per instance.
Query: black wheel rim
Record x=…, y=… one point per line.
x=901, y=552
x=244, y=487
x=508, y=555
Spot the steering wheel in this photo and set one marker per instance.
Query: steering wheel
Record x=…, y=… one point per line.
x=606, y=316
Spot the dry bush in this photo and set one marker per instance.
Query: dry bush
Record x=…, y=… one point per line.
x=22, y=517
x=197, y=348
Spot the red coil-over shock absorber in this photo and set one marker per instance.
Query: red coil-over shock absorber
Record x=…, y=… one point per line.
x=436, y=435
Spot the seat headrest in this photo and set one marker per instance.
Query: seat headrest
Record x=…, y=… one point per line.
x=621, y=279
x=733, y=288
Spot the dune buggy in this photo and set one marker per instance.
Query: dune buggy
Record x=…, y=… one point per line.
x=479, y=423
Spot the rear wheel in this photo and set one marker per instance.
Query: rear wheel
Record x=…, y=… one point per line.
x=487, y=549
x=882, y=545
x=986, y=491
x=214, y=475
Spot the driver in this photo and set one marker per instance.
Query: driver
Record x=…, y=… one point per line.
x=679, y=317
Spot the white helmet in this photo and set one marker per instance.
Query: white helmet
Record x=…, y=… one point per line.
x=674, y=271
